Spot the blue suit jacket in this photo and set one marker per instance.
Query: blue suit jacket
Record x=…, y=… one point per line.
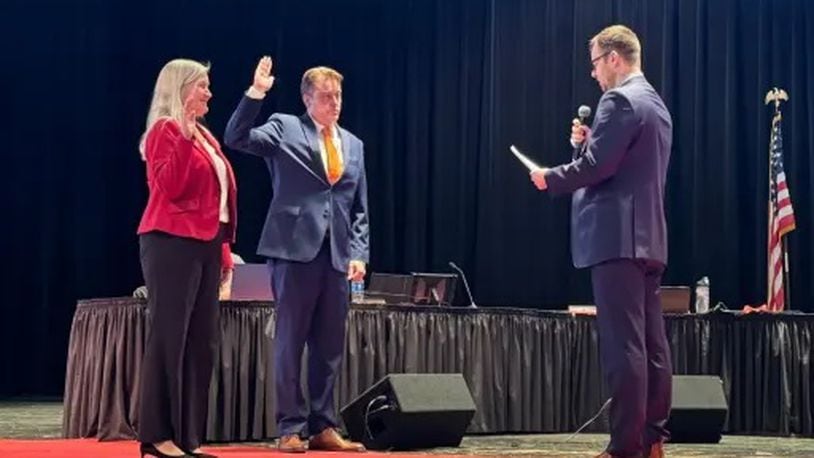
x=303, y=205
x=617, y=209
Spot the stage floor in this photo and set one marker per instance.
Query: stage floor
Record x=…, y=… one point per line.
x=43, y=420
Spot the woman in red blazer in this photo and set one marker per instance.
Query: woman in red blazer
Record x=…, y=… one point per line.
x=185, y=233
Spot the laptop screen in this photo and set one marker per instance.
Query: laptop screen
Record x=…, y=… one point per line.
x=392, y=288
x=251, y=282
x=433, y=288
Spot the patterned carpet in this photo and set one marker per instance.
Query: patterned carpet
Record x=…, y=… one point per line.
x=43, y=420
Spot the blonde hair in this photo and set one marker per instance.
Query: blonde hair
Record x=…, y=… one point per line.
x=312, y=75
x=176, y=75
x=620, y=39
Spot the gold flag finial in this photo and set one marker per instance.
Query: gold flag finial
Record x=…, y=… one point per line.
x=776, y=95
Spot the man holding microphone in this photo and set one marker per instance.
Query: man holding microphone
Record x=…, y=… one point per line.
x=618, y=230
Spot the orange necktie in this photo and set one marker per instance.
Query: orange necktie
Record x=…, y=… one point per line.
x=334, y=163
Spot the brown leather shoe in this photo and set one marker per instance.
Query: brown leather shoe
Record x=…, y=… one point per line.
x=330, y=440
x=655, y=450
x=291, y=443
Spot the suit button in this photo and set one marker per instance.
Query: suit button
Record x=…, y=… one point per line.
x=326, y=214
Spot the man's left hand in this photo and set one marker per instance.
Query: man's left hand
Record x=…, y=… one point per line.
x=538, y=178
x=356, y=270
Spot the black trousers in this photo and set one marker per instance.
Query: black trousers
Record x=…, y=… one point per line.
x=635, y=352
x=182, y=277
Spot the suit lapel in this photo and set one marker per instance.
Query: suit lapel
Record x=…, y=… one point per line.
x=202, y=149
x=315, y=159
x=347, y=158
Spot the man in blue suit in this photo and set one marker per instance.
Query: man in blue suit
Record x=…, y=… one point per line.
x=618, y=230
x=315, y=238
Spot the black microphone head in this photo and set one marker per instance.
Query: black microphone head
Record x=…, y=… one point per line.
x=584, y=112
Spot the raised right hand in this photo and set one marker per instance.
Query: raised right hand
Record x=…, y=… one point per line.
x=262, y=75
x=189, y=123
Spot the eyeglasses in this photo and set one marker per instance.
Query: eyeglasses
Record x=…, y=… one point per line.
x=596, y=59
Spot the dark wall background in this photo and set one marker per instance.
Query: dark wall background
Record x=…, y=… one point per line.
x=438, y=90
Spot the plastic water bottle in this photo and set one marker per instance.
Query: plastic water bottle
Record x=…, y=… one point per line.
x=702, y=295
x=357, y=291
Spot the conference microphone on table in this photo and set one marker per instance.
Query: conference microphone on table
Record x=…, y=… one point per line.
x=466, y=285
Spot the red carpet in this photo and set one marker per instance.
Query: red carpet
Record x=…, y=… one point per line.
x=91, y=448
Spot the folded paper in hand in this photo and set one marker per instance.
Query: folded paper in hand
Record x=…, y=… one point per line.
x=522, y=158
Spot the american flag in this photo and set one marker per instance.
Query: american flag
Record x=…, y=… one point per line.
x=781, y=219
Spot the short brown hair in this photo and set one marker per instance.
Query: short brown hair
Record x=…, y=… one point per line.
x=620, y=39
x=312, y=75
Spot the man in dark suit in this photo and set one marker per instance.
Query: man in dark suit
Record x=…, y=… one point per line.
x=315, y=238
x=619, y=232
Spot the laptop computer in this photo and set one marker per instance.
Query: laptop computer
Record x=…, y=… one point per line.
x=433, y=288
x=675, y=299
x=390, y=288
x=251, y=282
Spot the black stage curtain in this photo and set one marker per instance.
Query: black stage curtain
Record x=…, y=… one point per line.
x=528, y=371
x=438, y=90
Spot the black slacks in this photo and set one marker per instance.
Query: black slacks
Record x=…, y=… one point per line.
x=182, y=277
x=635, y=353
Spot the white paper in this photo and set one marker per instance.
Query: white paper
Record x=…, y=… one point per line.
x=522, y=158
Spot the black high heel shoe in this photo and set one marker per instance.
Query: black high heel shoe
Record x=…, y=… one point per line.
x=201, y=455
x=149, y=449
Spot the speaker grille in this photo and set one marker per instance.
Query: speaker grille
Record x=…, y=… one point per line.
x=699, y=409
x=411, y=411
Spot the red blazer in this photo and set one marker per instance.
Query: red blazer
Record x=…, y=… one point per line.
x=184, y=190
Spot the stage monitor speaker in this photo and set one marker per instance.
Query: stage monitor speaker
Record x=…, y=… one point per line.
x=411, y=411
x=699, y=409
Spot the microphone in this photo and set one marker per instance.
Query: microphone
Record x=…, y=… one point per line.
x=466, y=285
x=584, y=112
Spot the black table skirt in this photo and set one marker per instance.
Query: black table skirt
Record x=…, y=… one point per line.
x=528, y=370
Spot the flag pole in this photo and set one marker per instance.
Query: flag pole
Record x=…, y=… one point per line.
x=786, y=279
x=775, y=96
x=770, y=219
x=784, y=244
x=783, y=241
x=770, y=97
